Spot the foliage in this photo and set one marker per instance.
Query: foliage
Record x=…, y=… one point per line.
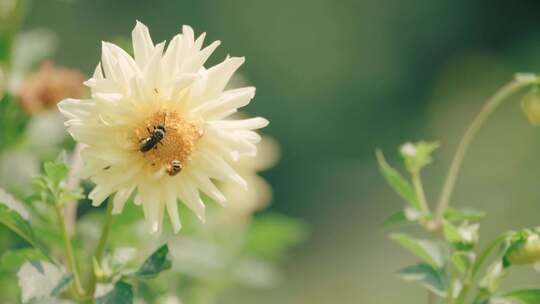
x=450, y=262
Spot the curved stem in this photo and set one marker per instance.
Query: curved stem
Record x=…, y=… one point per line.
x=490, y=105
x=71, y=261
x=100, y=249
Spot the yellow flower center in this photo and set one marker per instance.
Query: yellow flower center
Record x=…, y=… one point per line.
x=176, y=143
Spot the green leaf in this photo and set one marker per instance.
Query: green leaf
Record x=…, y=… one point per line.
x=20, y=226
x=397, y=182
x=418, y=155
x=270, y=235
x=525, y=296
x=122, y=293
x=466, y=214
x=13, y=259
x=500, y=240
x=159, y=261
x=463, y=237
x=429, y=251
x=56, y=171
x=431, y=278
x=408, y=215
x=462, y=260
x=451, y=233
x=491, y=280
x=395, y=219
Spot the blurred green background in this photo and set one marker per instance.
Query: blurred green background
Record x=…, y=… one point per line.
x=337, y=79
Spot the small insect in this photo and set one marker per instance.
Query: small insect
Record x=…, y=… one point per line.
x=151, y=141
x=174, y=167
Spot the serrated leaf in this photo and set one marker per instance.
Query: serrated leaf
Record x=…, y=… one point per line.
x=402, y=187
x=465, y=214
x=525, y=296
x=431, y=278
x=159, y=261
x=13, y=259
x=121, y=293
x=429, y=251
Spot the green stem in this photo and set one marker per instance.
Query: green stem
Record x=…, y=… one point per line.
x=100, y=249
x=490, y=105
x=432, y=298
x=419, y=189
x=71, y=261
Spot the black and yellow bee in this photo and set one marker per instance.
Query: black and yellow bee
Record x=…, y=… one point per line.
x=154, y=138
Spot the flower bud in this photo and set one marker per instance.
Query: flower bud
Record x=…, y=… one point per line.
x=524, y=250
x=531, y=106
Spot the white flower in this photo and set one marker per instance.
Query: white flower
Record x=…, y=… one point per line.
x=245, y=201
x=408, y=149
x=38, y=280
x=158, y=125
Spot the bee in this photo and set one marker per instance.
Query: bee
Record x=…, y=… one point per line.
x=156, y=135
x=174, y=167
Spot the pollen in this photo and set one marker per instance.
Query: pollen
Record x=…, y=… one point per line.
x=176, y=145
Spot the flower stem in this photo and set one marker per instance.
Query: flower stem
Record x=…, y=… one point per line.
x=419, y=189
x=432, y=298
x=491, y=104
x=71, y=261
x=100, y=249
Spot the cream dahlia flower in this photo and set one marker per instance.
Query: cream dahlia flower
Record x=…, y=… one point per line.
x=244, y=201
x=158, y=126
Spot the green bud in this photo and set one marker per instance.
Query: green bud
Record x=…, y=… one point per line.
x=417, y=155
x=524, y=250
x=531, y=106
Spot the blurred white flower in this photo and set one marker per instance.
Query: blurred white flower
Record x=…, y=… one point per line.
x=158, y=125
x=408, y=149
x=38, y=280
x=244, y=201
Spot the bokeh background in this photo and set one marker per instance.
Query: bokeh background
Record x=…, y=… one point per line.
x=338, y=79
